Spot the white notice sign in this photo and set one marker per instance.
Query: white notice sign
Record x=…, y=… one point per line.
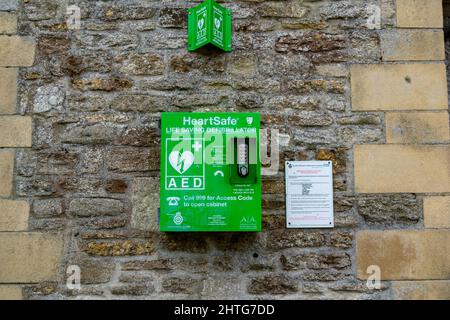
x=309, y=194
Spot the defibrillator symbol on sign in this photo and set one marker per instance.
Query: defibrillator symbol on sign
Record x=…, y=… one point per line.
x=209, y=23
x=181, y=162
x=185, y=168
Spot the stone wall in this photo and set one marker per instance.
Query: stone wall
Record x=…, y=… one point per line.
x=79, y=147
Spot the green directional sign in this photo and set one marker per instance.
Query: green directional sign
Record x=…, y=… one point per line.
x=210, y=172
x=209, y=22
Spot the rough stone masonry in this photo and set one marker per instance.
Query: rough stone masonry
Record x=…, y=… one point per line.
x=83, y=182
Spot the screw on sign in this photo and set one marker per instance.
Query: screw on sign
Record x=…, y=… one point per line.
x=209, y=23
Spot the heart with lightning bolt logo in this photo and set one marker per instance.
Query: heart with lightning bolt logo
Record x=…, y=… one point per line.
x=181, y=161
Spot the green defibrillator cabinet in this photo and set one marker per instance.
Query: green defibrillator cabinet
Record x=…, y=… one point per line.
x=210, y=172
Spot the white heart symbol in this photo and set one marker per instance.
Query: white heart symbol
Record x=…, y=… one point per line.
x=181, y=162
x=200, y=23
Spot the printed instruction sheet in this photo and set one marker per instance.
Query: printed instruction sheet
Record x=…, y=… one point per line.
x=309, y=194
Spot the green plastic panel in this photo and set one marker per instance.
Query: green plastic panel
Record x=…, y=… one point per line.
x=209, y=22
x=200, y=187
